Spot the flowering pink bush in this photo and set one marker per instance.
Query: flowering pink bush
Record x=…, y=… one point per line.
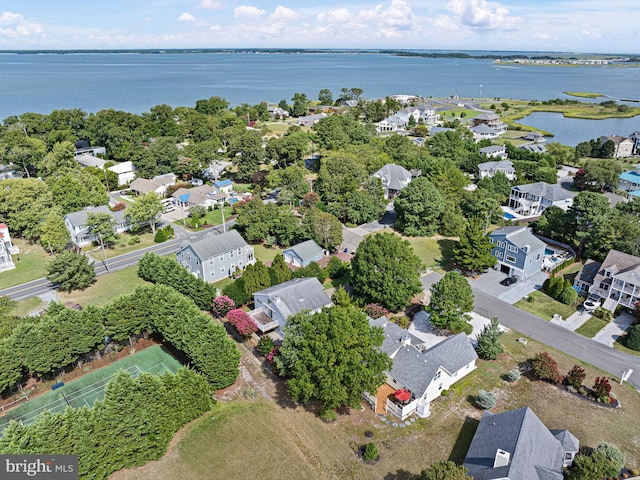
x=375, y=310
x=222, y=305
x=242, y=322
x=272, y=354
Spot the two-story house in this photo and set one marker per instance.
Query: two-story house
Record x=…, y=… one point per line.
x=533, y=199
x=418, y=375
x=215, y=257
x=518, y=251
x=516, y=445
x=75, y=222
x=484, y=132
x=623, y=145
x=394, y=178
x=399, y=121
x=489, y=169
x=494, y=151
x=274, y=305
x=617, y=281
x=491, y=120
x=6, y=249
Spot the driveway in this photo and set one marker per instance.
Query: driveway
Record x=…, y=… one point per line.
x=610, y=333
x=353, y=236
x=490, y=283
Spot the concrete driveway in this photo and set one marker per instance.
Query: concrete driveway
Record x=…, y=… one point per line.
x=353, y=236
x=610, y=333
x=490, y=283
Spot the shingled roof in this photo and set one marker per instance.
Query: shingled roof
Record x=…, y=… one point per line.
x=296, y=295
x=212, y=245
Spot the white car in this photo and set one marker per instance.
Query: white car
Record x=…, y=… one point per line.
x=591, y=303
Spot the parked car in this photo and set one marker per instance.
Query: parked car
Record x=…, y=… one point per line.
x=591, y=303
x=507, y=282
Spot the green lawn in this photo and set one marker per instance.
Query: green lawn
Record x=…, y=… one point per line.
x=591, y=327
x=265, y=254
x=123, y=245
x=106, y=288
x=25, y=307
x=31, y=264
x=618, y=346
x=544, y=306
x=433, y=252
x=213, y=217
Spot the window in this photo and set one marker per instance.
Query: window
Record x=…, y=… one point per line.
x=604, y=286
x=511, y=259
x=500, y=244
x=498, y=254
x=240, y=251
x=189, y=257
x=530, y=261
x=440, y=387
x=197, y=261
x=491, y=240
x=437, y=375
x=212, y=273
x=511, y=248
x=222, y=269
x=231, y=254
x=538, y=257
x=568, y=456
x=182, y=255
x=233, y=266
x=221, y=257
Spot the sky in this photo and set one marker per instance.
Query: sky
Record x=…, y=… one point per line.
x=582, y=26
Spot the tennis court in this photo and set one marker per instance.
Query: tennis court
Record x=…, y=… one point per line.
x=85, y=390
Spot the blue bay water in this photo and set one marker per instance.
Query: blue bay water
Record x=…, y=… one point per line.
x=135, y=82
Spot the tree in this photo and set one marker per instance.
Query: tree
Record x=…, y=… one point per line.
x=575, y=377
x=212, y=105
x=242, y=322
x=545, y=367
x=24, y=202
x=54, y=236
x=256, y=277
x=473, y=251
x=102, y=226
x=70, y=271
x=332, y=356
x=488, y=339
x=324, y=228
x=632, y=338
x=486, y=400
x=300, y=105
x=444, y=471
x=279, y=272
x=385, y=270
x=59, y=160
x=145, y=209
x=419, y=207
x=587, y=214
x=451, y=298
x=247, y=153
x=221, y=305
x=335, y=268
x=77, y=189
x=325, y=97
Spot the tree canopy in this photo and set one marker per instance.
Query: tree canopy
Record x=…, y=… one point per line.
x=419, y=207
x=451, y=298
x=71, y=271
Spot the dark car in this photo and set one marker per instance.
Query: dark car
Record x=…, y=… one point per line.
x=507, y=282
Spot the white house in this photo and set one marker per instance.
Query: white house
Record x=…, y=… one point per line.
x=494, y=151
x=533, y=199
x=623, y=146
x=400, y=120
x=394, y=178
x=126, y=172
x=484, y=132
x=275, y=304
x=424, y=373
x=142, y=186
x=6, y=249
x=489, y=169
x=75, y=222
x=90, y=161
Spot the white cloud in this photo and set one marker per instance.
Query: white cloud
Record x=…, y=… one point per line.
x=478, y=13
x=186, y=17
x=146, y=19
x=283, y=14
x=541, y=36
x=248, y=13
x=211, y=4
x=591, y=35
x=339, y=15
x=14, y=25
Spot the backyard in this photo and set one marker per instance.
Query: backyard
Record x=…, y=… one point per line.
x=434, y=252
x=31, y=264
x=544, y=306
x=293, y=439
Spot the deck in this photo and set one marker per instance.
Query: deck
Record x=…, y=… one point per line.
x=263, y=321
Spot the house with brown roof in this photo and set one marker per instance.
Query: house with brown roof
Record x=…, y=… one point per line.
x=623, y=145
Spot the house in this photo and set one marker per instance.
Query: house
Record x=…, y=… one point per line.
x=484, y=132
x=215, y=169
x=87, y=160
x=276, y=112
x=516, y=445
x=223, y=186
x=394, y=178
x=76, y=224
x=533, y=147
x=126, y=172
x=275, y=304
x=6, y=249
x=203, y=195
x=489, y=169
x=490, y=120
x=10, y=171
x=630, y=182
x=535, y=137
x=494, y=151
x=518, y=251
x=310, y=120
x=142, y=186
x=617, y=281
x=399, y=121
x=635, y=138
x=303, y=254
x=166, y=179
x=533, y=199
x=424, y=373
x=623, y=146
x=83, y=147
x=215, y=257
x=584, y=280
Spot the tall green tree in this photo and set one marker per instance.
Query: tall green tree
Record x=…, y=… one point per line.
x=332, y=356
x=323, y=227
x=451, y=298
x=77, y=189
x=102, y=226
x=59, y=160
x=54, y=236
x=588, y=213
x=278, y=271
x=145, y=210
x=489, y=346
x=256, y=277
x=300, y=105
x=24, y=202
x=385, y=270
x=419, y=207
x=325, y=97
x=71, y=271
x=247, y=153
x=473, y=251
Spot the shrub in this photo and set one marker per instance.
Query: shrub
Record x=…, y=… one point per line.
x=375, y=310
x=486, y=400
x=237, y=292
x=489, y=346
x=160, y=236
x=168, y=231
x=242, y=322
x=614, y=455
x=119, y=206
x=545, y=367
x=134, y=239
x=575, y=377
x=568, y=296
x=265, y=345
x=403, y=322
x=632, y=338
x=603, y=314
x=370, y=452
x=601, y=388
x=221, y=305
x=336, y=268
x=514, y=375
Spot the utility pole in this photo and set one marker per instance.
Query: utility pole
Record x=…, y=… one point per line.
x=104, y=253
x=224, y=226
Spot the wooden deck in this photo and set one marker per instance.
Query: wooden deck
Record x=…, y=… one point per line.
x=263, y=321
x=384, y=391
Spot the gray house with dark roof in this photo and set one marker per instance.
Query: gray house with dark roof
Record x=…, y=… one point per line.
x=303, y=254
x=425, y=373
x=75, y=222
x=489, y=169
x=518, y=251
x=516, y=445
x=533, y=199
x=216, y=256
x=617, y=280
x=394, y=178
x=275, y=304
x=584, y=280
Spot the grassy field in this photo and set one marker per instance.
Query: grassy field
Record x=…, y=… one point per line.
x=618, y=346
x=591, y=327
x=265, y=254
x=25, y=307
x=292, y=442
x=584, y=94
x=123, y=245
x=106, y=288
x=433, y=252
x=31, y=264
x=544, y=306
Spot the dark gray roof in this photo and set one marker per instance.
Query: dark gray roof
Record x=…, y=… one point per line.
x=79, y=218
x=396, y=176
x=619, y=263
x=212, y=245
x=297, y=295
x=394, y=336
x=546, y=190
x=589, y=271
x=306, y=250
x=90, y=161
x=533, y=147
x=144, y=186
x=493, y=149
x=486, y=116
x=415, y=369
x=483, y=129
x=506, y=165
x=520, y=237
x=567, y=439
x=535, y=454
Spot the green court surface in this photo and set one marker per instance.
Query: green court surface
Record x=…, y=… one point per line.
x=85, y=390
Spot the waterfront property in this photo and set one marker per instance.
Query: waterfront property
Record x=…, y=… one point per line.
x=394, y=178
x=399, y=122
x=623, y=146
x=489, y=169
x=484, y=132
x=6, y=249
x=491, y=120
x=517, y=445
x=418, y=375
x=75, y=222
x=630, y=182
x=533, y=199
x=215, y=257
x=518, y=251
